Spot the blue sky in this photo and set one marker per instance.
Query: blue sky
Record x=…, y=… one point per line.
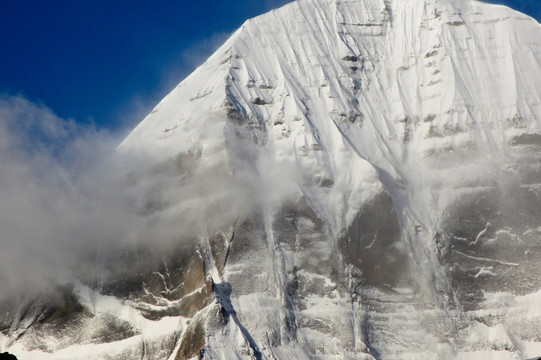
x=109, y=62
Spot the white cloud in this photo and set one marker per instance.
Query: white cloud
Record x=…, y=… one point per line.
x=52, y=179
x=70, y=203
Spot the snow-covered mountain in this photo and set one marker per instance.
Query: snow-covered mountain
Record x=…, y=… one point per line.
x=348, y=179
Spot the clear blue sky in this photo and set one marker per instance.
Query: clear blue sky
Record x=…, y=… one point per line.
x=111, y=61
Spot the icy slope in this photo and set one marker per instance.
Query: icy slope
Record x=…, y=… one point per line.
x=362, y=181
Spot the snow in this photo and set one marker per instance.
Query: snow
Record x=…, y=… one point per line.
x=100, y=305
x=3, y=340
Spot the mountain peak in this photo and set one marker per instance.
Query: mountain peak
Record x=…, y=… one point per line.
x=358, y=180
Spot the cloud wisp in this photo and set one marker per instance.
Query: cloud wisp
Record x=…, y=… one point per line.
x=52, y=182
x=70, y=202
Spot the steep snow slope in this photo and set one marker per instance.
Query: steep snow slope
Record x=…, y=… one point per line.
x=362, y=179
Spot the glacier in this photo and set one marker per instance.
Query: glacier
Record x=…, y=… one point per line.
x=347, y=179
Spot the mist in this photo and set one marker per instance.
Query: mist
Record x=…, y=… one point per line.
x=52, y=183
x=71, y=203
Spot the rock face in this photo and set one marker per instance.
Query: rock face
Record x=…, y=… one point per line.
x=7, y=356
x=361, y=181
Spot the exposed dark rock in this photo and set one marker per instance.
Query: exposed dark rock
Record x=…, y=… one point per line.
x=527, y=139
x=259, y=101
x=219, y=245
x=371, y=244
x=350, y=58
x=111, y=329
x=192, y=341
x=7, y=356
x=234, y=113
